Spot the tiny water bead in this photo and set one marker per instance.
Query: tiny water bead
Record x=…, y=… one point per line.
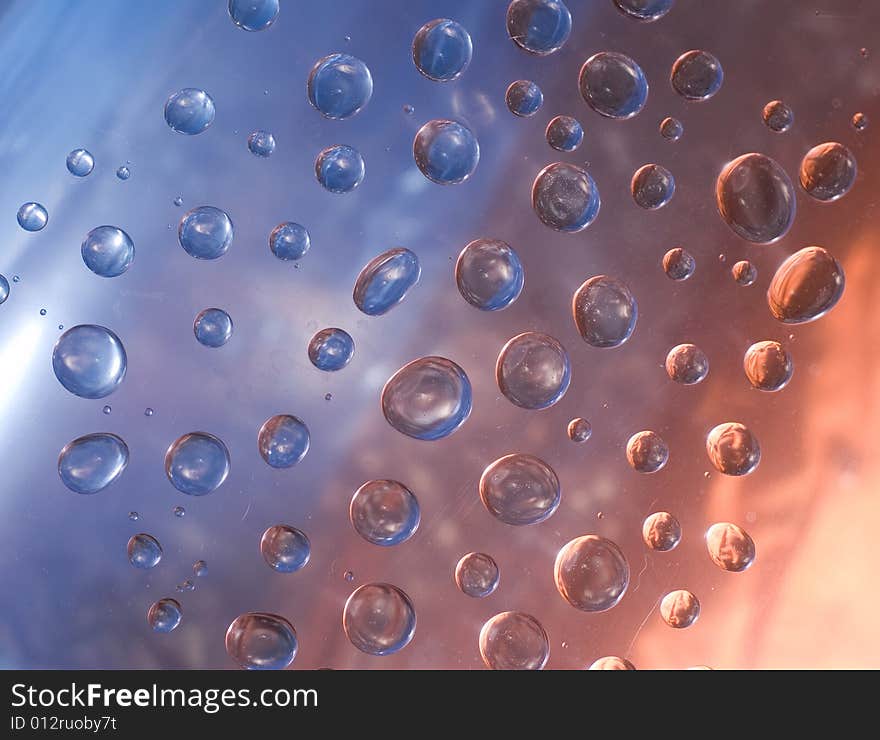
x=671, y=129
x=565, y=197
x=828, y=171
x=687, y=364
x=339, y=86
x=661, y=531
x=489, y=274
x=107, y=251
x=205, y=232
x=612, y=663
x=213, y=327
x=605, y=311
x=144, y=551
x=80, y=162
x=446, y=152
x=89, y=361
x=285, y=549
x=679, y=609
x=768, y=366
x=591, y=573
x=579, y=430
x=260, y=641
x=348, y=576
x=133, y=516
x=91, y=463
x=43, y=312
x=148, y=411
x=4, y=289
x=385, y=280
x=200, y=569
x=520, y=489
x=379, y=619
x=123, y=172
x=564, y=134
x=186, y=586
x=524, y=98
x=178, y=201
x=860, y=121
x=477, y=575
x=253, y=15
x=533, y=370
x=514, y=641
x=806, y=286
x=678, y=264
x=442, y=50
x=428, y=398
x=164, y=615
x=283, y=441
x=646, y=452
x=289, y=241
x=32, y=216
x=340, y=168
x=730, y=547
x=384, y=512
x=613, y=85
x=778, y=116
x=261, y=143
x=189, y=111
x=733, y=449
x=179, y=512
x=744, y=273
x=538, y=26
x=644, y=10
x=652, y=186
x=331, y=349
x=696, y=75
x=409, y=109
x=197, y=463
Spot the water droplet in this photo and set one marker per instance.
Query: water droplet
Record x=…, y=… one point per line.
x=538, y=26
x=755, y=198
x=514, y=641
x=565, y=197
x=679, y=609
x=197, y=463
x=864, y=53
x=652, y=186
x=733, y=449
x=428, y=398
x=671, y=129
x=533, y=370
x=489, y=274
x=828, y=171
x=678, y=264
x=442, y=50
x=107, y=251
x=408, y=109
x=107, y=410
x=806, y=286
x=564, y=133
x=730, y=547
x=477, y=575
x=15, y=278
x=42, y=312
x=283, y=441
x=646, y=452
x=32, y=216
x=860, y=121
x=164, y=615
x=133, y=516
x=339, y=86
x=89, y=361
x=524, y=98
x=259, y=641
x=148, y=411
x=179, y=512
x=205, y=232
x=328, y=396
x=642, y=10
x=123, y=173
x=520, y=489
x=91, y=463
x=605, y=311
x=253, y=15
x=80, y=162
x=447, y=152
x=200, y=569
x=613, y=85
x=60, y=326
x=612, y=663
x=384, y=512
x=185, y=586
x=213, y=327
x=289, y=241
x=379, y=619
x=340, y=168
x=348, y=576
x=189, y=111
x=661, y=531
x=331, y=349
x=768, y=366
x=778, y=116
x=744, y=273
x=696, y=75
x=591, y=573
x=285, y=549
x=144, y=551
x=261, y=143
x=4, y=289
x=579, y=430
x=385, y=280
x=687, y=364
x=178, y=201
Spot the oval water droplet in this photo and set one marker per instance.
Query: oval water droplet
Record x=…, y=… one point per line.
x=331, y=349
x=285, y=549
x=253, y=15
x=261, y=143
x=385, y=280
x=520, y=489
x=828, y=171
x=806, y=286
x=744, y=273
x=646, y=452
x=730, y=547
x=605, y=311
x=678, y=264
x=144, y=551
x=164, y=615
x=565, y=197
x=91, y=463
x=671, y=129
x=489, y=274
x=652, y=186
x=733, y=449
x=564, y=133
x=644, y=10
x=260, y=641
x=514, y=641
x=679, y=609
x=778, y=117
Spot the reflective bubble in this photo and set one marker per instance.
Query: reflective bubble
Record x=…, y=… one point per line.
x=283, y=441
x=733, y=449
x=564, y=133
x=768, y=366
x=259, y=641
x=778, y=116
x=340, y=168
x=447, y=152
x=200, y=569
x=687, y=364
x=520, y=489
x=189, y=111
x=671, y=129
x=644, y=10
x=696, y=75
x=489, y=274
x=514, y=641
x=32, y=216
x=80, y=162
x=565, y=197
x=285, y=549
x=213, y=327
x=261, y=143
x=427, y=399
x=679, y=609
x=730, y=547
x=253, y=15
x=661, y=531
x=533, y=370
x=605, y=312
x=385, y=281
x=646, y=452
x=205, y=233
x=652, y=186
x=538, y=26
x=442, y=50
x=613, y=85
x=756, y=198
x=164, y=615
x=379, y=619
x=678, y=264
x=91, y=463
x=524, y=98
x=744, y=273
x=477, y=575
x=197, y=463
x=4, y=289
x=384, y=512
x=89, y=361
x=828, y=171
x=612, y=663
x=806, y=286
x=123, y=173
x=579, y=430
x=107, y=251
x=339, y=86
x=144, y=551
x=179, y=512
x=591, y=573
x=860, y=121
x=289, y=241
x=331, y=349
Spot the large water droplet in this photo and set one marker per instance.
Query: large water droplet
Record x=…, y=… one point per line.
x=447, y=152
x=696, y=75
x=644, y=10
x=489, y=274
x=331, y=349
x=514, y=641
x=806, y=286
x=80, y=162
x=730, y=547
x=285, y=549
x=768, y=366
x=524, y=98
x=205, y=232
x=442, y=50
x=533, y=370
x=687, y=364
x=259, y=641
x=144, y=551
x=564, y=133
x=652, y=186
x=828, y=171
x=289, y=241
x=91, y=463
x=197, y=463
x=733, y=449
x=384, y=512
x=253, y=15
x=565, y=197
x=261, y=143
x=189, y=111
x=283, y=441
x=164, y=615
x=520, y=489
x=213, y=327
x=661, y=531
x=32, y=216
x=339, y=86
x=613, y=85
x=107, y=251
x=605, y=312
x=340, y=168
x=538, y=26
x=646, y=452
x=379, y=619
x=778, y=117
x=477, y=575
x=678, y=264
x=385, y=280
x=591, y=573
x=679, y=609
x=89, y=361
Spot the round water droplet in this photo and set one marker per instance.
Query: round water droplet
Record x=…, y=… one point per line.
x=15, y=278
x=213, y=327
x=520, y=489
x=613, y=85
x=696, y=75
x=652, y=186
x=564, y=133
x=860, y=121
x=189, y=111
x=200, y=569
x=289, y=241
x=678, y=264
x=778, y=116
x=148, y=411
x=806, y=286
x=4, y=289
x=671, y=129
x=164, y=615
x=43, y=312
x=89, y=361
x=384, y=512
x=524, y=98
x=259, y=641
x=283, y=441
x=179, y=512
x=565, y=197
x=285, y=549
x=730, y=547
x=477, y=575
x=687, y=364
x=339, y=86
x=408, y=109
x=768, y=366
x=385, y=281
x=123, y=173
x=253, y=15
x=91, y=463
x=679, y=609
x=261, y=143
x=379, y=619
x=733, y=449
x=80, y=162
x=533, y=370
x=205, y=233
x=185, y=586
x=579, y=430
x=644, y=10
x=447, y=152
x=133, y=516
x=427, y=399
x=107, y=251
x=605, y=312
x=744, y=273
x=646, y=452
x=331, y=349
x=197, y=463
x=612, y=663
x=514, y=641
x=489, y=274
x=538, y=26
x=178, y=201
x=32, y=216
x=591, y=573
x=144, y=551
x=442, y=50
x=340, y=168
x=661, y=531
x=348, y=576
x=828, y=171
x=756, y=198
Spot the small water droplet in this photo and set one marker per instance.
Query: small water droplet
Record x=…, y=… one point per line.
x=477, y=575
x=260, y=641
x=133, y=516
x=687, y=364
x=591, y=573
x=446, y=152
x=652, y=186
x=379, y=619
x=43, y=312
x=579, y=430
x=744, y=273
x=200, y=569
x=538, y=26
x=768, y=366
x=828, y=171
x=565, y=197
x=646, y=452
x=733, y=449
x=605, y=312
x=524, y=98
x=197, y=463
x=148, y=411
x=253, y=15
x=179, y=512
x=339, y=86
x=564, y=133
x=340, y=168
x=696, y=75
x=261, y=143
x=285, y=549
x=107, y=251
x=778, y=117
x=533, y=370
x=860, y=121
x=442, y=50
x=514, y=641
x=283, y=441
x=755, y=198
x=331, y=349
x=144, y=551
x=32, y=216
x=164, y=615
x=205, y=232
x=520, y=489
x=661, y=531
x=123, y=173
x=213, y=327
x=189, y=111
x=89, y=361
x=679, y=609
x=678, y=264
x=671, y=129
x=80, y=162
x=613, y=85
x=730, y=547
